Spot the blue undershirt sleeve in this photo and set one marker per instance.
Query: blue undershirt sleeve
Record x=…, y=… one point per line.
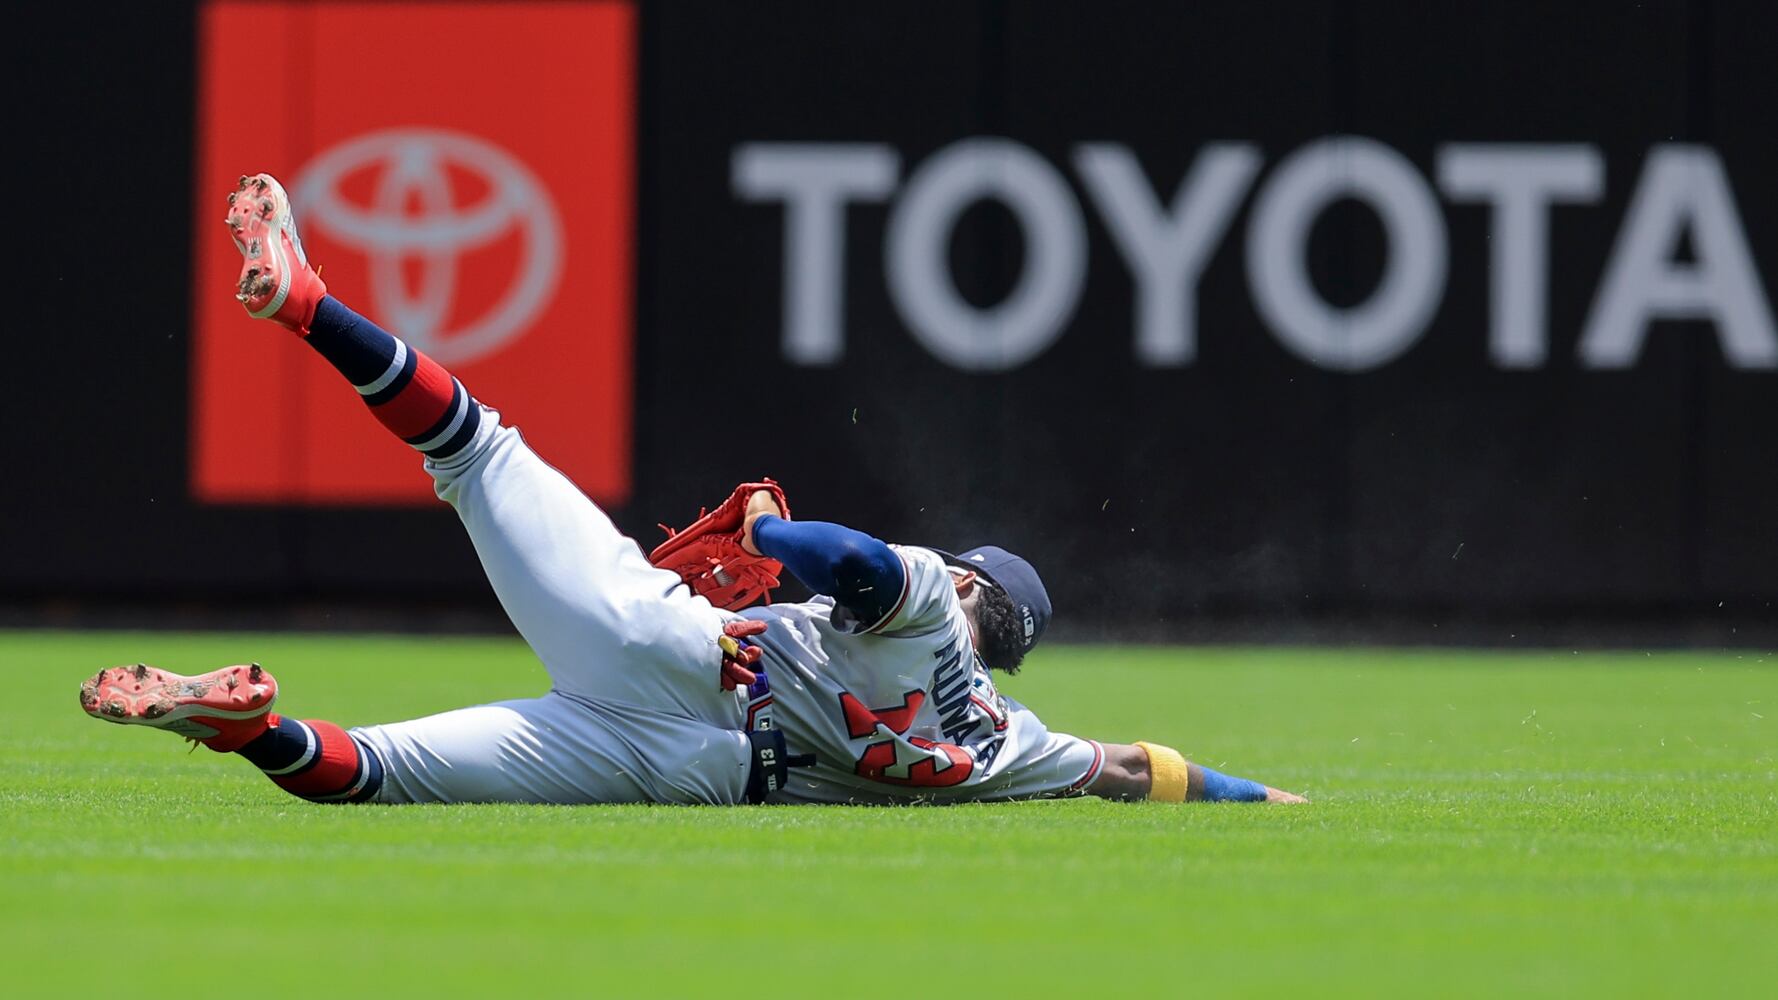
x=861, y=573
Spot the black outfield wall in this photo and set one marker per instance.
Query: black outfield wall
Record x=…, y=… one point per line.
x=1214, y=310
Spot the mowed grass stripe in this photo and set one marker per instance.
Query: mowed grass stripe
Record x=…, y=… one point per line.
x=1591, y=824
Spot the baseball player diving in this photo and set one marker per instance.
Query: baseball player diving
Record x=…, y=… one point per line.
x=878, y=690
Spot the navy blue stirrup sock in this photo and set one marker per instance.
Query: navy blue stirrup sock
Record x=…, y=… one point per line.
x=406, y=391
x=316, y=760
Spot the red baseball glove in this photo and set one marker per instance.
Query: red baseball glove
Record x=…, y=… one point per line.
x=707, y=553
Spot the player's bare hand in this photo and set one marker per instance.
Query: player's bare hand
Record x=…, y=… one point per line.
x=761, y=503
x=738, y=656
x=1275, y=795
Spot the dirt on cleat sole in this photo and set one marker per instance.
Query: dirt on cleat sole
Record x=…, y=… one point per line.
x=200, y=707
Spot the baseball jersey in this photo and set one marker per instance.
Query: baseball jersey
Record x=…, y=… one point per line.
x=901, y=709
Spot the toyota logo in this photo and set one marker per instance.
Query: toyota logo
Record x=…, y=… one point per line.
x=412, y=169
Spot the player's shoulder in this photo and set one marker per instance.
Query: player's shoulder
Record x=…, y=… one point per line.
x=922, y=568
x=925, y=557
x=927, y=598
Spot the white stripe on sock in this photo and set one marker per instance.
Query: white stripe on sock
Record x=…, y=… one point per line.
x=359, y=780
x=456, y=421
x=308, y=753
x=388, y=376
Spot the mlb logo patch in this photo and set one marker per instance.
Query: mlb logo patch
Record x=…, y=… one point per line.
x=463, y=175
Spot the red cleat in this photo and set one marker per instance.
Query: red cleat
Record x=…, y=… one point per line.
x=223, y=709
x=276, y=280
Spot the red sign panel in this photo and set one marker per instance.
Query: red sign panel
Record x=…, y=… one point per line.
x=463, y=176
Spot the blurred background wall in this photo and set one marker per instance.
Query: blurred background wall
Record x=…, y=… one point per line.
x=1241, y=320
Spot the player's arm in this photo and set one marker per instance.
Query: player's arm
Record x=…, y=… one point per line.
x=861, y=573
x=1150, y=771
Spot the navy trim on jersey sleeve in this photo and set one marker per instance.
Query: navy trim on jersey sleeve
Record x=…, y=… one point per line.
x=901, y=600
x=861, y=573
x=1093, y=770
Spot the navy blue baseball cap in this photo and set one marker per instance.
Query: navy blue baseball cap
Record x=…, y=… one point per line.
x=1015, y=576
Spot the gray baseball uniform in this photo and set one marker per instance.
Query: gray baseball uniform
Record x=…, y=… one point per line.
x=898, y=711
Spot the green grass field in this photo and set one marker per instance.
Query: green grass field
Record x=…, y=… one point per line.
x=1483, y=824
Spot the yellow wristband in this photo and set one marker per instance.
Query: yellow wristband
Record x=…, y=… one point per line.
x=1168, y=774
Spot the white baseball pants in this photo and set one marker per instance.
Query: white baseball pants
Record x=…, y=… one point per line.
x=635, y=713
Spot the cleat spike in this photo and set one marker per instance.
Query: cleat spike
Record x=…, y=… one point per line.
x=231, y=197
